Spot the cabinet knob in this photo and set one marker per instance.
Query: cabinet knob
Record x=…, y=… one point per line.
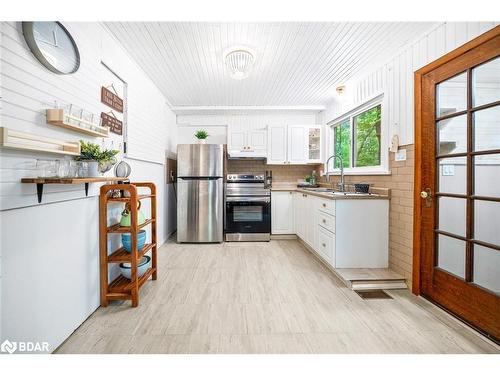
x=324, y=204
x=324, y=221
x=323, y=245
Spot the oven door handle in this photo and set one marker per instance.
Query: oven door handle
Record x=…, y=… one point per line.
x=248, y=199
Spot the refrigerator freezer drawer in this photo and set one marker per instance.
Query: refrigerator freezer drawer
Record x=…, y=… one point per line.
x=200, y=210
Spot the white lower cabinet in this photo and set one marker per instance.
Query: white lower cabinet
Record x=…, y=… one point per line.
x=282, y=212
x=346, y=233
x=305, y=217
x=326, y=245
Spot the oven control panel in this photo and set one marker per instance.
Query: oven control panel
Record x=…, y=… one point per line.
x=245, y=177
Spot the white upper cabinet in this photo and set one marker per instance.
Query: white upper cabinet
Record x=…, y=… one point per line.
x=250, y=142
x=293, y=144
x=314, y=146
x=297, y=144
x=277, y=144
x=257, y=140
x=237, y=139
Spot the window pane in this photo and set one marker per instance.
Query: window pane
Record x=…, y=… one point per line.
x=451, y=255
x=487, y=129
x=452, y=213
x=452, y=175
x=367, y=138
x=451, y=95
x=453, y=135
x=487, y=175
x=487, y=221
x=342, y=143
x=487, y=268
x=486, y=83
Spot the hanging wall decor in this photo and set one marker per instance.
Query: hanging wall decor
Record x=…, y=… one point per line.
x=111, y=99
x=112, y=122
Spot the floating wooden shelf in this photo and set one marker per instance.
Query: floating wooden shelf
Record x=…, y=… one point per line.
x=122, y=288
x=121, y=255
x=57, y=117
x=40, y=181
x=16, y=140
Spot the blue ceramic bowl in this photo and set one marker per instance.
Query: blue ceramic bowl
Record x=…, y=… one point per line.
x=141, y=268
x=127, y=242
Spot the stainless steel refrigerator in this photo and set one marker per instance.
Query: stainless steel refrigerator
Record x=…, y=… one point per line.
x=200, y=187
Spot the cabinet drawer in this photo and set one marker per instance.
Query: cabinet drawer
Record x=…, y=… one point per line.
x=326, y=221
x=327, y=205
x=326, y=245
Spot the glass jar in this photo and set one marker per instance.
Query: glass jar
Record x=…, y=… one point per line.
x=62, y=168
x=82, y=169
x=46, y=168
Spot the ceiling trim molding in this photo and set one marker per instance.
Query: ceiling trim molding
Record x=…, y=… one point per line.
x=182, y=110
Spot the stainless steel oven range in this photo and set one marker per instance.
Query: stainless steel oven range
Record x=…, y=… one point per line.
x=248, y=208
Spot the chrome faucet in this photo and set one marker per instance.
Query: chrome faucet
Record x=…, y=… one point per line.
x=341, y=184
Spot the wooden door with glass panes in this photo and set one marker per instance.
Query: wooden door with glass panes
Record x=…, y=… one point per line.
x=459, y=180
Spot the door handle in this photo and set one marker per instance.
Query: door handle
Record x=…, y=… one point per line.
x=427, y=196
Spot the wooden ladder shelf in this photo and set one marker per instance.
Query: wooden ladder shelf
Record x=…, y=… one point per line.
x=122, y=288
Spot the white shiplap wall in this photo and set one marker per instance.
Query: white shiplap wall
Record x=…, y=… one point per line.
x=49, y=252
x=28, y=89
x=395, y=77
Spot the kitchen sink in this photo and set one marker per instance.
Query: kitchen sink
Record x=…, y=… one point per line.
x=349, y=193
x=319, y=190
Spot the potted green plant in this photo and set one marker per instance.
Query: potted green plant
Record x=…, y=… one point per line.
x=201, y=135
x=98, y=160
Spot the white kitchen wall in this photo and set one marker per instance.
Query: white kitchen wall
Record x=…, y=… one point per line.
x=395, y=77
x=49, y=251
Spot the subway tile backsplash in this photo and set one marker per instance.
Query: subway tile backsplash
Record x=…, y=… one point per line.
x=281, y=173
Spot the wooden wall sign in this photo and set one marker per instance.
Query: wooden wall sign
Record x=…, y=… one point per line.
x=111, y=99
x=114, y=125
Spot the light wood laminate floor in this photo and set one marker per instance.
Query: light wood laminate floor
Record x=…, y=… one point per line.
x=265, y=298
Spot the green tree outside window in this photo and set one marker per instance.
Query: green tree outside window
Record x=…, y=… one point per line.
x=362, y=143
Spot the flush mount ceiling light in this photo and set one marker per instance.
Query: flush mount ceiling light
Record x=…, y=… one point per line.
x=239, y=61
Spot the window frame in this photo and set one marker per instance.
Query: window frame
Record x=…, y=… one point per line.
x=383, y=168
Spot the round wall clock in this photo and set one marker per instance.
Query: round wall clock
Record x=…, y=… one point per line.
x=53, y=46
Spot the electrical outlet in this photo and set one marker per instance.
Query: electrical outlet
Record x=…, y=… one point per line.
x=400, y=155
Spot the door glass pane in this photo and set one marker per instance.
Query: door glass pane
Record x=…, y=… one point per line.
x=452, y=175
x=486, y=83
x=453, y=135
x=451, y=95
x=452, y=212
x=487, y=129
x=487, y=175
x=487, y=268
x=487, y=221
x=314, y=142
x=451, y=255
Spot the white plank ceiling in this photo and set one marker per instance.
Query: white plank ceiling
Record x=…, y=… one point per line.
x=297, y=64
